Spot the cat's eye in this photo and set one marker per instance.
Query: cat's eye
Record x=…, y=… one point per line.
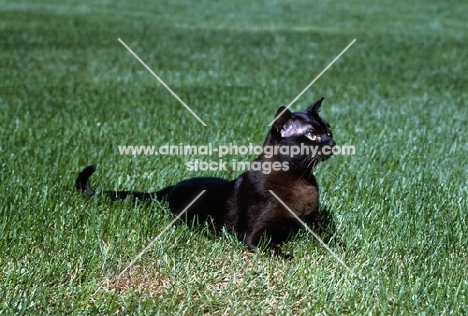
x=311, y=136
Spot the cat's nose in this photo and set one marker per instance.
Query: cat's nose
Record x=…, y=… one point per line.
x=329, y=141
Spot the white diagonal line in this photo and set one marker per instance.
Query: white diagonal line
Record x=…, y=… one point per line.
x=313, y=81
x=315, y=235
x=162, y=232
x=162, y=82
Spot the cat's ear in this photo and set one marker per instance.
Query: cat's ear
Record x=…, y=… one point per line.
x=315, y=107
x=282, y=116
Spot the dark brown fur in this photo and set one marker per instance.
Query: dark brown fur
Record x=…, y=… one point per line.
x=245, y=205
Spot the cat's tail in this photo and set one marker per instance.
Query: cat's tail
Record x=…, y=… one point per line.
x=81, y=184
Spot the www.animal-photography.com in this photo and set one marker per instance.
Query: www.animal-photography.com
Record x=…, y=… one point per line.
x=233, y=157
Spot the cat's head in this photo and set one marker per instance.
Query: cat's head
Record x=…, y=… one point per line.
x=302, y=129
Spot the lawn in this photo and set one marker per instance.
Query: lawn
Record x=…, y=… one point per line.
x=71, y=93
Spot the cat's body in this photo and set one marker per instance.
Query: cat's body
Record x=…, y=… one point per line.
x=246, y=205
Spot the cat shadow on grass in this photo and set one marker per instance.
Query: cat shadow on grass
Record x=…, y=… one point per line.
x=327, y=234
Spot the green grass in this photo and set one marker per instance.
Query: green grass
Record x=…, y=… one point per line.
x=71, y=93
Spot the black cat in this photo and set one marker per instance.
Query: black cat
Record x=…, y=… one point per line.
x=245, y=205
